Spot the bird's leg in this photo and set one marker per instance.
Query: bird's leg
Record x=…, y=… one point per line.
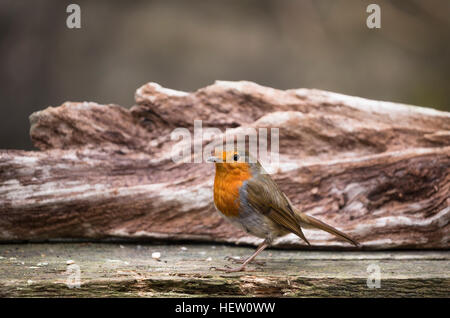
x=241, y=268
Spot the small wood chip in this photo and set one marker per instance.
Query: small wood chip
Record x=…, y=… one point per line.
x=156, y=255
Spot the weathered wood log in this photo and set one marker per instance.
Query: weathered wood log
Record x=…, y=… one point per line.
x=377, y=170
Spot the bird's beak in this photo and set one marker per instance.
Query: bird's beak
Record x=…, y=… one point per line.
x=213, y=159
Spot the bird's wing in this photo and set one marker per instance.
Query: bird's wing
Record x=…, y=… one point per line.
x=264, y=196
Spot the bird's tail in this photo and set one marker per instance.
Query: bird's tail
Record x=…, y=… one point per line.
x=309, y=221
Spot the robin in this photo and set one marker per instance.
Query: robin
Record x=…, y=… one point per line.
x=248, y=197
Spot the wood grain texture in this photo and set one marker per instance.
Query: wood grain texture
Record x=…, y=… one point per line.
x=128, y=270
x=377, y=170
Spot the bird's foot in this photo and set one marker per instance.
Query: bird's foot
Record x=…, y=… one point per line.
x=242, y=261
x=228, y=269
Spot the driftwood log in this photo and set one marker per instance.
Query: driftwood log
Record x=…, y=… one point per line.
x=377, y=170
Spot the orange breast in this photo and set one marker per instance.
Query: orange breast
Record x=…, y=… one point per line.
x=226, y=190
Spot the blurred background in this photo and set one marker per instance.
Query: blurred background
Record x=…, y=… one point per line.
x=187, y=45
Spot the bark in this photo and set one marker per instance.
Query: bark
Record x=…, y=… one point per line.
x=377, y=170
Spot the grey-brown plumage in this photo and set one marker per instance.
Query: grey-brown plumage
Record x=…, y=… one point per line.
x=264, y=196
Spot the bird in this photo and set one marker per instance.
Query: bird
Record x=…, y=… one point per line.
x=247, y=196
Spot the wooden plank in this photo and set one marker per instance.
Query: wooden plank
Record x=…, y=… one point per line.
x=110, y=270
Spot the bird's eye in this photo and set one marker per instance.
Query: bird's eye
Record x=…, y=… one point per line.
x=236, y=157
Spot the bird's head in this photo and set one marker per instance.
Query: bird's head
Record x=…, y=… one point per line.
x=234, y=161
